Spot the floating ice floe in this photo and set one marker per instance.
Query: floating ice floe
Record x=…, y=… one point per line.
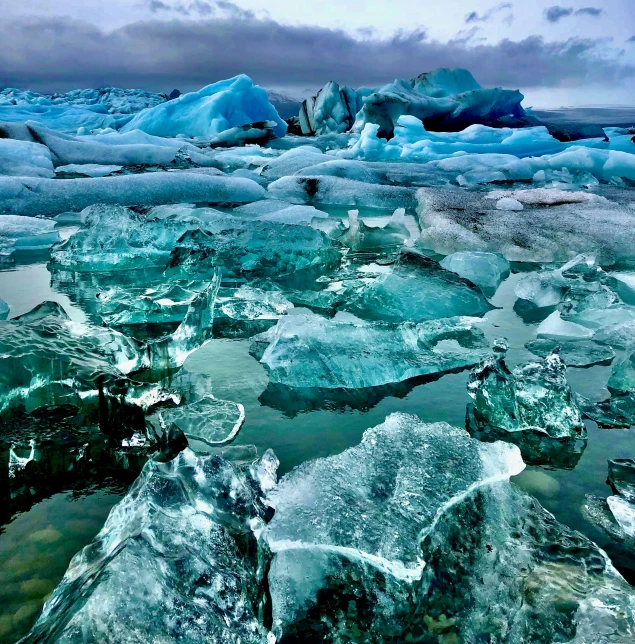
x=486, y=270
x=354, y=354
x=208, y=112
x=30, y=197
x=454, y=220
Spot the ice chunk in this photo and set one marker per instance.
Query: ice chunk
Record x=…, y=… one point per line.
x=115, y=238
x=555, y=327
x=365, y=542
x=533, y=397
x=547, y=196
x=574, y=353
x=620, y=335
x=32, y=197
x=173, y=561
x=355, y=354
x=250, y=134
x=624, y=513
x=293, y=161
x=26, y=233
x=210, y=111
x=417, y=289
x=253, y=249
x=622, y=477
x=340, y=192
x=456, y=220
x=4, y=309
x=486, y=270
x=393, y=478
x=507, y=203
x=25, y=159
x=625, y=286
x=212, y=421
x=88, y=169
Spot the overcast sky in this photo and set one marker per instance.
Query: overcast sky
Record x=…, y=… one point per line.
x=578, y=52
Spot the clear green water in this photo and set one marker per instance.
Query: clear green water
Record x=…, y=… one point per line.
x=36, y=545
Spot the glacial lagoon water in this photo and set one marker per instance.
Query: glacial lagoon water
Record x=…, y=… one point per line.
x=47, y=526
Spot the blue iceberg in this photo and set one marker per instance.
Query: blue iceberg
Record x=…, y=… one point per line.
x=210, y=111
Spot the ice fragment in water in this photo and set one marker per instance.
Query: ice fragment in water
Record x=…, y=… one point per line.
x=173, y=561
x=533, y=397
x=362, y=238
x=4, y=309
x=555, y=327
x=486, y=270
x=624, y=513
x=417, y=289
x=574, y=353
x=508, y=203
x=26, y=234
x=355, y=354
x=366, y=540
x=210, y=420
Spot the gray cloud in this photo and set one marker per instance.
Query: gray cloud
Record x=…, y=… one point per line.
x=61, y=54
x=555, y=14
x=200, y=8
x=594, y=12
x=474, y=16
x=631, y=39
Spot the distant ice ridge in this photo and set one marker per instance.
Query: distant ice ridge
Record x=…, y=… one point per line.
x=114, y=99
x=448, y=99
x=208, y=112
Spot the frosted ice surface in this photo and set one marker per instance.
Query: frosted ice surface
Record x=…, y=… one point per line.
x=208, y=112
x=624, y=513
x=25, y=159
x=455, y=220
x=622, y=477
x=32, y=197
x=355, y=354
x=486, y=270
x=555, y=327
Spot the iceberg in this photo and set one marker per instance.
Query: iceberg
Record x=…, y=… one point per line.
x=175, y=560
x=25, y=159
x=114, y=99
x=64, y=118
x=354, y=354
x=486, y=270
x=534, y=397
x=210, y=111
x=333, y=109
x=31, y=197
x=443, y=99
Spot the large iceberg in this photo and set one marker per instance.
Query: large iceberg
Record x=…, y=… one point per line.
x=333, y=109
x=444, y=99
x=210, y=111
